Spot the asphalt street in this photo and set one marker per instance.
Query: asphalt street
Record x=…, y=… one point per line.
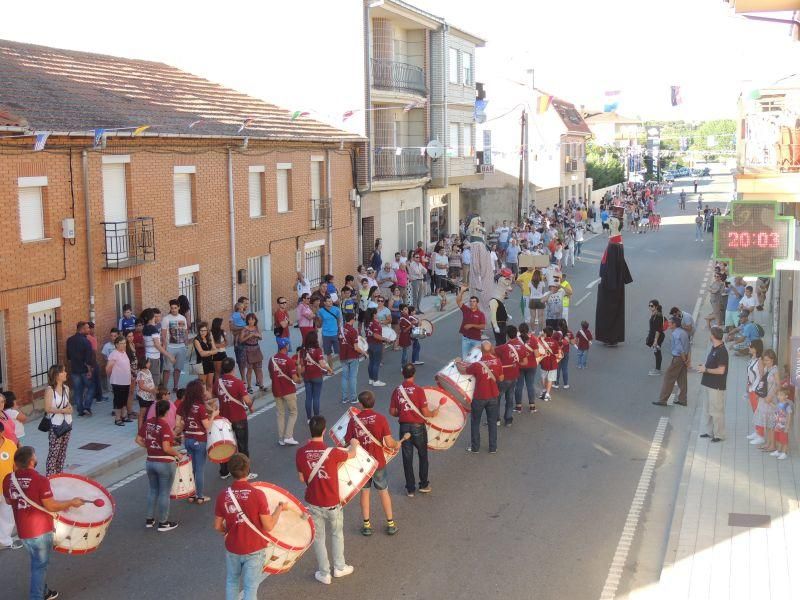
x=539, y=520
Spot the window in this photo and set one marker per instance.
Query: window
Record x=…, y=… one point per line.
x=318, y=216
x=31, y=208
x=453, y=146
x=255, y=190
x=123, y=294
x=187, y=286
x=467, y=140
x=284, y=187
x=567, y=157
x=408, y=222
x=182, y=183
x=468, y=75
x=452, y=67
x=438, y=218
x=314, y=262
x=42, y=340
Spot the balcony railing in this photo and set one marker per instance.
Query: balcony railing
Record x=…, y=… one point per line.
x=397, y=76
x=129, y=243
x=772, y=141
x=320, y=213
x=407, y=165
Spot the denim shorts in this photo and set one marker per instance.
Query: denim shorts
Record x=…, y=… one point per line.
x=179, y=352
x=380, y=479
x=330, y=344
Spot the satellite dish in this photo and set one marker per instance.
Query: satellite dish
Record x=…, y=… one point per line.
x=435, y=149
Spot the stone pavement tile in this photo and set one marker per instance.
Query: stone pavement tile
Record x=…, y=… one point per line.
x=759, y=564
x=739, y=584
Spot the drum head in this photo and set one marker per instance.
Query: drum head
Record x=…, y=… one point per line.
x=66, y=487
x=427, y=326
x=362, y=343
x=474, y=355
x=451, y=417
x=294, y=528
x=388, y=334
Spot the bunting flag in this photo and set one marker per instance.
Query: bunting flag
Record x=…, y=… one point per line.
x=479, y=113
x=299, y=113
x=347, y=115
x=422, y=150
x=41, y=140
x=675, y=95
x=140, y=130
x=543, y=103
x=98, y=136
x=193, y=123
x=612, y=101
x=246, y=123
x=398, y=151
x=415, y=104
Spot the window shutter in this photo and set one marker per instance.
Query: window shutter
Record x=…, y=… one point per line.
x=31, y=215
x=283, y=190
x=316, y=187
x=115, y=206
x=256, y=204
x=183, y=198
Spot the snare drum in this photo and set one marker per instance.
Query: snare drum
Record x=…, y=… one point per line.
x=183, y=484
x=423, y=330
x=354, y=474
x=459, y=386
x=362, y=344
x=80, y=530
x=293, y=533
x=221, y=441
x=388, y=334
x=474, y=355
x=444, y=428
x=339, y=429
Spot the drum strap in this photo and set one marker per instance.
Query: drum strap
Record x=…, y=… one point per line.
x=280, y=372
x=222, y=388
x=319, y=464
x=244, y=517
x=410, y=403
x=25, y=496
x=310, y=359
x=487, y=370
x=372, y=438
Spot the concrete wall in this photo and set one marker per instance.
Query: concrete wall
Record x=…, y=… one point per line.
x=597, y=195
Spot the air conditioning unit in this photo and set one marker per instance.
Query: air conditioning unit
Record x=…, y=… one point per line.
x=68, y=229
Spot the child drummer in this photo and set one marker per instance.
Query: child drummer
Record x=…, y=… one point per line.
x=407, y=324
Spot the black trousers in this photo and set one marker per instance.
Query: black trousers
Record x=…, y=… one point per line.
x=240, y=433
x=418, y=440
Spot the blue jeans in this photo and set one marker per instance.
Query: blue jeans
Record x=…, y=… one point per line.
x=507, y=391
x=313, y=392
x=698, y=232
x=160, y=475
x=563, y=370
x=40, y=548
x=414, y=352
x=467, y=344
x=578, y=246
x=96, y=385
x=322, y=517
x=247, y=567
x=418, y=440
x=82, y=392
x=583, y=358
x=375, y=353
x=349, y=379
x=197, y=452
x=526, y=379
x=478, y=406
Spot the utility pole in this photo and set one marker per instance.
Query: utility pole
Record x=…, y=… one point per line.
x=529, y=201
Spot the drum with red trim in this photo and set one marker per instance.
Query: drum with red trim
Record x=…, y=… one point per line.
x=354, y=474
x=445, y=427
x=459, y=386
x=221, y=441
x=183, y=485
x=80, y=530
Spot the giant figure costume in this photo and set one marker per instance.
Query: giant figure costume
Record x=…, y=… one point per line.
x=482, y=284
x=614, y=276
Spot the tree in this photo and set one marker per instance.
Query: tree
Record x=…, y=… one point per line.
x=721, y=132
x=604, y=165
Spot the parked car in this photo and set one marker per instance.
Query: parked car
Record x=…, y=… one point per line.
x=682, y=172
x=669, y=176
x=705, y=172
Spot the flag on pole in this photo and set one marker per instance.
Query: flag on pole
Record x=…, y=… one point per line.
x=299, y=113
x=612, y=101
x=41, y=140
x=675, y=95
x=193, y=123
x=141, y=129
x=543, y=103
x=98, y=136
x=347, y=115
x=245, y=124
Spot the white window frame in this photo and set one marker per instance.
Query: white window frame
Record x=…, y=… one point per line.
x=454, y=150
x=256, y=197
x=467, y=131
x=283, y=187
x=468, y=68
x=30, y=205
x=182, y=174
x=453, y=65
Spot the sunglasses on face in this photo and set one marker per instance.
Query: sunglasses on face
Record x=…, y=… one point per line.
x=281, y=302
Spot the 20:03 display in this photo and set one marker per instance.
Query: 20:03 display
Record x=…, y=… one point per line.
x=753, y=239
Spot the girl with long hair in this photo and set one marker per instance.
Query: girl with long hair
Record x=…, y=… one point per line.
x=205, y=348
x=59, y=410
x=221, y=343
x=250, y=337
x=194, y=421
x=315, y=367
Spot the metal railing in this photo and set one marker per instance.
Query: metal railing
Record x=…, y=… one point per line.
x=408, y=164
x=129, y=243
x=393, y=75
x=320, y=213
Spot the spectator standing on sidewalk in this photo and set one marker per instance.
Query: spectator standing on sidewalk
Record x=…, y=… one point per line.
x=473, y=322
x=416, y=275
x=655, y=336
x=175, y=336
x=715, y=376
x=81, y=364
x=282, y=322
x=676, y=372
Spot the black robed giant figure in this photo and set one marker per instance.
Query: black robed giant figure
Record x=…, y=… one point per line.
x=609, y=321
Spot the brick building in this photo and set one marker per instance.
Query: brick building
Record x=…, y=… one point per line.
x=193, y=205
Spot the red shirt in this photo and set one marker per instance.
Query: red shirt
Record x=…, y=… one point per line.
x=532, y=344
x=509, y=358
x=138, y=346
x=523, y=353
x=406, y=325
x=31, y=522
x=486, y=384
x=566, y=341
x=282, y=385
x=282, y=315
x=323, y=490
x=312, y=371
x=240, y=539
x=549, y=362
x=423, y=257
x=347, y=346
x=471, y=317
x=193, y=422
x=378, y=426
x=373, y=329
x=584, y=337
x=155, y=432
x=229, y=408
x=415, y=393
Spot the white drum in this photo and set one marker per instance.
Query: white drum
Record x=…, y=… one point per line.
x=292, y=534
x=339, y=429
x=444, y=428
x=423, y=330
x=459, y=386
x=362, y=344
x=183, y=484
x=221, y=441
x=80, y=530
x=388, y=334
x=474, y=355
x=354, y=474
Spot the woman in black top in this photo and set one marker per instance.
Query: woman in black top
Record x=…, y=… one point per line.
x=221, y=342
x=655, y=337
x=205, y=348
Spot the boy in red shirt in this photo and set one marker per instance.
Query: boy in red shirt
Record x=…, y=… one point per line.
x=512, y=359
x=407, y=323
x=549, y=363
x=488, y=373
x=317, y=466
x=234, y=404
x=283, y=373
x=371, y=429
x=566, y=339
x=239, y=511
x=583, y=341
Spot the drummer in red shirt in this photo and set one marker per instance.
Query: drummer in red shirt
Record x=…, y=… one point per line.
x=473, y=322
x=283, y=373
x=410, y=406
x=527, y=368
x=21, y=489
x=317, y=466
x=549, y=363
x=349, y=355
x=512, y=359
x=488, y=373
x=240, y=513
x=407, y=323
x=371, y=429
x=234, y=404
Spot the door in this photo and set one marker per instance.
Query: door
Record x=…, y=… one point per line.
x=115, y=212
x=259, y=277
x=187, y=286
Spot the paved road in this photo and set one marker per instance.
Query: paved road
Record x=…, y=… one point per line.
x=541, y=519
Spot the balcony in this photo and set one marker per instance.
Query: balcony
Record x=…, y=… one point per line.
x=409, y=164
x=772, y=142
x=320, y=213
x=398, y=77
x=129, y=243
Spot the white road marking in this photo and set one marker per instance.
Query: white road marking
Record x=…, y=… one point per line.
x=591, y=253
x=617, y=567
x=593, y=283
x=578, y=303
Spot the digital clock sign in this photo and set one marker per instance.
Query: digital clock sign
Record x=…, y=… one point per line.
x=753, y=237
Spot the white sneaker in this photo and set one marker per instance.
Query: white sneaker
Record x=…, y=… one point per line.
x=654, y=372
x=371, y=382
x=343, y=572
x=323, y=577
x=776, y=453
x=252, y=476
x=547, y=397
x=751, y=436
x=555, y=386
x=566, y=386
x=290, y=441
x=378, y=383
x=281, y=442
x=756, y=441
x=781, y=456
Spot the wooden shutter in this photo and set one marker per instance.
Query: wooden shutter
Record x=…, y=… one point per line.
x=183, y=198
x=283, y=190
x=256, y=202
x=31, y=214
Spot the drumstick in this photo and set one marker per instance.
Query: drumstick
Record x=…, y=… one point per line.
x=98, y=502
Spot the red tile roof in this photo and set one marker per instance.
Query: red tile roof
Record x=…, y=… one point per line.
x=47, y=89
x=570, y=116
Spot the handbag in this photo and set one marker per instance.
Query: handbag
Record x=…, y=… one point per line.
x=61, y=429
x=762, y=389
x=45, y=424
x=194, y=362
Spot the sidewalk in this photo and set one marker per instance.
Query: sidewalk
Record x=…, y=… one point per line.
x=97, y=446
x=736, y=527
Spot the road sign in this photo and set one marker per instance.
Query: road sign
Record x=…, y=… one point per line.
x=753, y=238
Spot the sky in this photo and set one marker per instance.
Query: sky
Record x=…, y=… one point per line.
x=307, y=55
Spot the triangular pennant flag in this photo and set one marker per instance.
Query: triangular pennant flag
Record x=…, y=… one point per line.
x=543, y=103
x=140, y=130
x=612, y=101
x=193, y=123
x=675, y=95
x=41, y=140
x=299, y=113
x=246, y=123
x=347, y=114
x=98, y=136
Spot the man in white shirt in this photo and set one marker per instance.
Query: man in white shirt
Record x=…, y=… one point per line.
x=749, y=300
x=175, y=336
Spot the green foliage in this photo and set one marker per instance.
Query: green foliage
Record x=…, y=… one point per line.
x=724, y=132
x=604, y=165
